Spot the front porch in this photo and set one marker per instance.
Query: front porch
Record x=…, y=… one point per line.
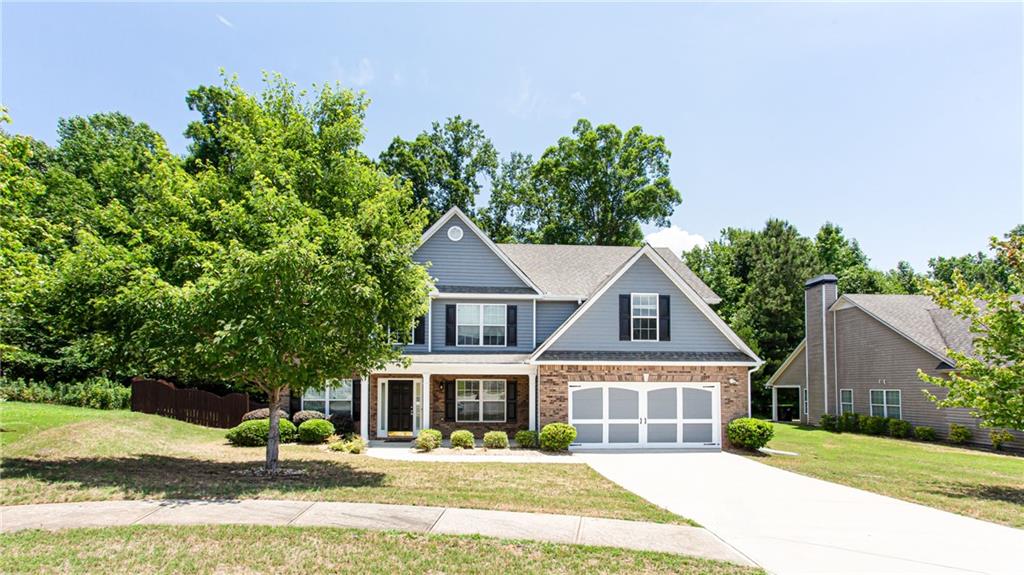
x=476, y=392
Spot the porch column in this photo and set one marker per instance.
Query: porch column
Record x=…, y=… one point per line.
x=775, y=404
x=364, y=407
x=533, y=399
x=425, y=401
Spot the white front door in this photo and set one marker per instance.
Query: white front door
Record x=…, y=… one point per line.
x=630, y=415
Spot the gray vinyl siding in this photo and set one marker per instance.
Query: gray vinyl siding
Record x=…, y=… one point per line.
x=598, y=328
x=467, y=262
x=551, y=315
x=869, y=352
x=795, y=373
x=524, y=327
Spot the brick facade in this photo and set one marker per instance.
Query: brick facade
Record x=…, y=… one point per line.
x=554, y=385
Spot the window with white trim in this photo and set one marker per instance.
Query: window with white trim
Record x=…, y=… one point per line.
x=886, y=403
x=845, y=401
x=480, y=400
x=644, y=316
x=336, y=397
x=480, y=324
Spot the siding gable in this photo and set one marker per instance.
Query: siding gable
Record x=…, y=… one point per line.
x=598, y=329
x=468, y=262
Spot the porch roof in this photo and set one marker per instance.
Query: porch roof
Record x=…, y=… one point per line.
x=471, y=358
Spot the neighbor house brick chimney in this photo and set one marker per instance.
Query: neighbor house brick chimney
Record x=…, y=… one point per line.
x=819, y=294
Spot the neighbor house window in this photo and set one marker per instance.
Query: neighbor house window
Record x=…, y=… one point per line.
x=845, y=401
x=479, y=400
x=644, y=314
x=480, y=324
x=886, y=403
x=336, y=397
x=806, y=404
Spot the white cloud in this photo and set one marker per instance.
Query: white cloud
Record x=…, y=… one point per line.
x=225, y=21
x=579, y=98
x=676, y=239
x=361, y=76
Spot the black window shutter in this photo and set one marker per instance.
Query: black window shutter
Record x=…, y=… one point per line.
x=449, y=324
x=356, y=392
x=510, y=400
x=511, y=339
x=664, y=329
x=624, y=317
x=419, y=333
x=449, y=401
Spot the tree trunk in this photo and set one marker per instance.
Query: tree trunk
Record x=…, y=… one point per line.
x=274, y=439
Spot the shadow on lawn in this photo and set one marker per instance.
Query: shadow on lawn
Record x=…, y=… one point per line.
x=1004, y=493
x=160, y=476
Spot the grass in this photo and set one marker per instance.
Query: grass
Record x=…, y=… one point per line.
x=249, y=549
x=977, y=484
x=64, y=454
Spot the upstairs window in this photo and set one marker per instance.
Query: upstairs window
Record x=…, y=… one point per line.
x=480, y=325
x=336, y=397
x=644, y=316
x=886, y=403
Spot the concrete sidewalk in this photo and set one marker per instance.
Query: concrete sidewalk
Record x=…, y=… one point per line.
x=574, y=529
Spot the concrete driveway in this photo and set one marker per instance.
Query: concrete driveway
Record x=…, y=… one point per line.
x=789, y=523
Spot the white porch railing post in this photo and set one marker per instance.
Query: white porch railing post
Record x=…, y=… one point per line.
x=425, y=393
x=533, y=400
x=364, y=407
x=775, y=404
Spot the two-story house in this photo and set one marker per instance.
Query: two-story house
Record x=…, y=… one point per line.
x=620, y=342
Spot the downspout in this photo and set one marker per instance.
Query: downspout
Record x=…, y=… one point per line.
x=750, y=398
x=835, y=365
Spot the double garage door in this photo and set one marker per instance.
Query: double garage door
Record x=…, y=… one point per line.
x=655, y=415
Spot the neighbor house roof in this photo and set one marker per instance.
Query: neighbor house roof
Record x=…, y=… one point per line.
x=919, y=319
x=578, y=271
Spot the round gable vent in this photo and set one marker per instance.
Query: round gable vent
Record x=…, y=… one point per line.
x=455, y=233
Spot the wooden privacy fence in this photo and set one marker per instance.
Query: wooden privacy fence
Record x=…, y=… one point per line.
x=192, y=405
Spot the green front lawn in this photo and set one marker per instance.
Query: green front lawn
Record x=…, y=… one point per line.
x=75, y=454
x=249, y=549
x=973, y=483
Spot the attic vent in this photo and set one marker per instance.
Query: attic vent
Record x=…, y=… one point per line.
x=455, y=233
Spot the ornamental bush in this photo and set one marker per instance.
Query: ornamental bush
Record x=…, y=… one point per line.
x=557, y=436
x=428, y=440
x=301, y=417
x=496, y=440
x=874, y=425
x=999, y=437
x=463, y=438
x=849, y=422
x=899, y=428
x=959, y=433
x=749, y=432
x=925, y=433
x=829, y=422
x=315, y=431
x=343, y=424
x=526, y=439
x=254, y=433
x=354, y=445
x=263, y=414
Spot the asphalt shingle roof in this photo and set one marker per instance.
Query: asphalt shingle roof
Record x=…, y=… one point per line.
x=920, y=319
x=652, y=356
x=570, y=270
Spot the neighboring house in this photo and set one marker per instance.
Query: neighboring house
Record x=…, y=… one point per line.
x=618, y=341
x=861, y=354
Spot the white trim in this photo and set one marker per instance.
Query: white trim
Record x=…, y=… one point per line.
x=885, y=403
x=852, y=404
x=455, y=236
x=533, y=338
x=633, y=317
x=600, y=362
x=425, y=400
x=364, y=406
x=487, y=241
x=775, y=399
x=680, y=283
x=532, y=391
x=482, y=296
x=480, y=400
x=430, y=326
x=482, y=325
x=785, y=364
x=846, y=302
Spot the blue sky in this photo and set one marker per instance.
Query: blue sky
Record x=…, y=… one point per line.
x=900, y=122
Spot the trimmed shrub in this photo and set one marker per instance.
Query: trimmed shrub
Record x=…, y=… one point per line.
x=315, y=431
x=557, y=436
x=829, y=423
x=301, y=417
x=899, y=428
x=526, y=439
x=354, y=445
x=463, y=438
x=999, y=437
x=95, y=392
x=263, y=414
x=254, y=433
x=496, y=440
x=959, y=433
x=849, y=422
x=925, y=433
x=874, y=425
x=749, y=432
x=343, y=424
x=428, y=440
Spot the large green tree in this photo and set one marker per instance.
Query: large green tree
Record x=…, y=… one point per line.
x=312, y=268
x=990, y=381
x=977, y=269
x=446, y=166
